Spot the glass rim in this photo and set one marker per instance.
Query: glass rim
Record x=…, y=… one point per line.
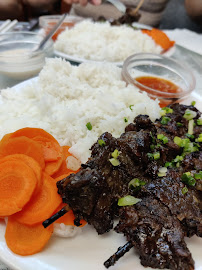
x=151, y=91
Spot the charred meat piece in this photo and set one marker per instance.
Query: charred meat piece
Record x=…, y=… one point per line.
x=93, y=192
x=156, y=234
x=170, y=208
x=168, y=190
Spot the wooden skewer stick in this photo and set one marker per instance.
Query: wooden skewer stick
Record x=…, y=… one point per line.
x=120, y=253
x=134, y=11
x=59, y=214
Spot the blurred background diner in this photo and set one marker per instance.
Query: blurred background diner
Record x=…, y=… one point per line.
x=165, y=14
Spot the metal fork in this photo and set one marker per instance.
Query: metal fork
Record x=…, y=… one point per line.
x=118, y=4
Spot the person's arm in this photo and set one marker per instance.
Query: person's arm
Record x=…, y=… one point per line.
x=10, y=9
x=194, y=7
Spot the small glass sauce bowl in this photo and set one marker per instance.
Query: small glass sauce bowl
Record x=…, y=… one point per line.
x=17, y=59
x=139, y=68
x=47, y=23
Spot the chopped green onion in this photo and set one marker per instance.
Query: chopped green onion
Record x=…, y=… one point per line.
x=178, y=158
x=165, y=120
x=162, y=171
x=188, y=179
x=165, y=110
x=189, y=136
x=179, y=124
x=150, y=156
x=191, y=127
x=168, y=164
x=156, y=155
x=163, y=138
x=184, y=190
x=115, y=162
x=199, y=139
x=199, y=122
x=115, y=154
x=125, y=119
x=190, y=148
x=198, y=175
x=128, y=200
x=158, y=145
x=177, y=140
x=131, y=107
x=189, y=114
x=101, y=142
x=136, y=183
x=193, y=103
x=89, y=126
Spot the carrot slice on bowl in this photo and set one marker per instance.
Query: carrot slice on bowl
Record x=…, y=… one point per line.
x=17, y=184
x=23, y=145
x=160, y=38
x=26, y=240
x=32, y=163
x=42, y=205
x=51, y=149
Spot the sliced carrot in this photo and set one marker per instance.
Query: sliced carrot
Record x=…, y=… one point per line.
x=31, y=133
x=42, y=205
x=68, y=218
x=26, y=240
x=32, y=163
x=63, y=168
x=17, y=184
x=51, y=149
x=160, y=38
x=53, y=166
x=63, y=176
x=23, y=145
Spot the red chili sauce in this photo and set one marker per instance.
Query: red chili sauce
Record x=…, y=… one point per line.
x=62, y=28
x=163, y=85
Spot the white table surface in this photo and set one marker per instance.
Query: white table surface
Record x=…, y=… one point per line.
x=192, y=59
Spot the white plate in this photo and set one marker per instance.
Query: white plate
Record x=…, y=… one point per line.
x=87, y=251
x=79, y=60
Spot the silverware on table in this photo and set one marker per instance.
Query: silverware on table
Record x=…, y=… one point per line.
x=7, y=26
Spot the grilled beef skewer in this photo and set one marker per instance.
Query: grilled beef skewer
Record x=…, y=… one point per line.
x=93, y=192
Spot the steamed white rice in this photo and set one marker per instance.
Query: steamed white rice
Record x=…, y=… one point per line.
x=103, y=42
x=65, y=98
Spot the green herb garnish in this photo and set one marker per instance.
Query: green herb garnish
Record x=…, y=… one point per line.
x=184, y=190
x=189, y=114
x=193, y=103
x=89, y=126
x=101, y=142
x=165, y=120
x=128, y=200
x=115, y=154
x=188, y=179
x=125, y=119
x=115, y=162
x=163, y=138
x=131, y=107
